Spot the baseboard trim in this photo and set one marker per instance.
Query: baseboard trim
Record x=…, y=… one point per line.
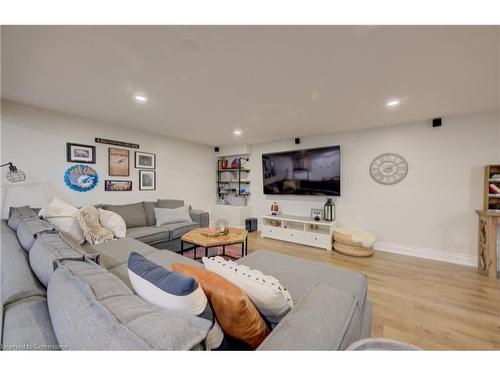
x=421, y=252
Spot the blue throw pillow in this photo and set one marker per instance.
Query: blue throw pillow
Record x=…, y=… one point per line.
x=172, y=291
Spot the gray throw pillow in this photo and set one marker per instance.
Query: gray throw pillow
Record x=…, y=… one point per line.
x=172, y=215
x=17, y=214
x=150, y=212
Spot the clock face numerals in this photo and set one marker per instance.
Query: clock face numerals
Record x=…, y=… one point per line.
x=388, y=169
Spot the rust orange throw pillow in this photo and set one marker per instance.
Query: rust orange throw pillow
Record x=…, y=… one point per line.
x=236, y=314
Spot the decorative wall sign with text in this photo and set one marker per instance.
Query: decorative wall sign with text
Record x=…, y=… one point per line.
x=116, y=143
x=81, y=178
x=119, y=162
x=389, y=168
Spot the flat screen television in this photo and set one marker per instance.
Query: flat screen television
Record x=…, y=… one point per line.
x=314, y=171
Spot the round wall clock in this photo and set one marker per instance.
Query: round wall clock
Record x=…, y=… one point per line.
x=389, y=168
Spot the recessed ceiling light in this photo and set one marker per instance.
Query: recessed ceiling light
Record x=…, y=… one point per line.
x=237, y=132
x=393, y=103
x=140, y=98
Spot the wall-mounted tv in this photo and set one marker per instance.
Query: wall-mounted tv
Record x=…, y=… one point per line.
x=314, y=171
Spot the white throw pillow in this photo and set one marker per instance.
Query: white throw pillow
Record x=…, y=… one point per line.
x=63, y=216
x=113, y=222
x=268, y=295
x=172, y=215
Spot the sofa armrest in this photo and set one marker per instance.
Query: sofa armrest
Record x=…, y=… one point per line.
x=200, y=216
x=325, y=319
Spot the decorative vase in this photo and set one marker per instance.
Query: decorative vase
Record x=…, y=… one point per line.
x=329, y=210
x=275, y=209
x=223, y=225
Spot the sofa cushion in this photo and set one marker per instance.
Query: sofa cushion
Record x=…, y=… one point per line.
x=91, y=309
x=324, y=319
x=28, y=230
x=115, y=253
x=134, y=214
x=149, y=235
x=94, y=232
x=300, y=275
x=170, y=203
x=27, y=326
x=150, y=213
x=18, y=281
x=234, y=311
x=177, y=230
x=17, y=214
x=172, y=291
x=47, y=248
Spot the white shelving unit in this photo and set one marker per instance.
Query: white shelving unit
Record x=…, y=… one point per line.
x=299, y=229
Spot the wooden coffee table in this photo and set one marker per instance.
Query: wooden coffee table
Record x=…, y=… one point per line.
x=196, y=238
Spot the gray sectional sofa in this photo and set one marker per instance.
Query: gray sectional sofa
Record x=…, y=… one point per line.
x=141, y=222
x=58, y=295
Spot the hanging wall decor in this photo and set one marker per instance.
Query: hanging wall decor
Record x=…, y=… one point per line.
x=77, y=153
x=147, y=180
x=81, y=178
x=118, y=159
x=389, y=168
x=145, y=160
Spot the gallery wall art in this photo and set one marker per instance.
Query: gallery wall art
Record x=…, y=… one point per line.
x=119, y=162
x=81, y=178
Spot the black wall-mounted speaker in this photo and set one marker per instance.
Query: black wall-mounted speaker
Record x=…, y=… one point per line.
x=216, y=149
x=437, y=122
x=297, y=141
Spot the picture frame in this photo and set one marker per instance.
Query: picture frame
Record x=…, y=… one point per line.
x=147, y=180
x=145, y=160
x=316, y=213
x=118, y=162
x=117, y=185
x=78, y=153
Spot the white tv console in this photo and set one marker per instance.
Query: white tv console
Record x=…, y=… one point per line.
x=299, y=229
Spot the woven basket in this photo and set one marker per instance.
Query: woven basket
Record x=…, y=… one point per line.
x=353, y=250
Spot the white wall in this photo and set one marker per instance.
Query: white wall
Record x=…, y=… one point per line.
x=35, y=140
x=432, y=211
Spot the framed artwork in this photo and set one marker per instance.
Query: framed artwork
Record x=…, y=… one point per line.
x=117, y=185
x=76, y=153
x=119, y=162
x=147, y=180
x=145, y=160
x=316, y=214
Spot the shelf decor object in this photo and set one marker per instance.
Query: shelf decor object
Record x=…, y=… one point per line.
x=232, y=188
x=14, y=174
x=299, y=229
x=389, y=168
x=491, y=188
x=329, y=210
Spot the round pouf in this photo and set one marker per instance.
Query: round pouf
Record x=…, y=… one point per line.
x=353, y=242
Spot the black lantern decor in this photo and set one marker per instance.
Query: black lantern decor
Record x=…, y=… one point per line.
x=329, y=210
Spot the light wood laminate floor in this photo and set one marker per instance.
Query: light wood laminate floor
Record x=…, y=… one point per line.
x=433, y=305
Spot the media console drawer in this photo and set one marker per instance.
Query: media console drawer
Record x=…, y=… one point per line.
x=320, y=239
x=271, y=231
x=293, y=235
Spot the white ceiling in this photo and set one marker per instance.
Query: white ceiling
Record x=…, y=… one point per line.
x=270, y=82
